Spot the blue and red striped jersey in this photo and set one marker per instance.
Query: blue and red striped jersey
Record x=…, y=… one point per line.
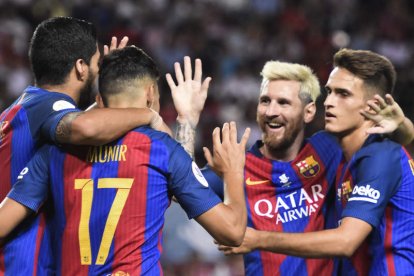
x=289, y=197
x=24, y=126
x=109, y=201
x=377, y=186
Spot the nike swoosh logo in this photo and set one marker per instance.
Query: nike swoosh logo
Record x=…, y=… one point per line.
x=255, y=182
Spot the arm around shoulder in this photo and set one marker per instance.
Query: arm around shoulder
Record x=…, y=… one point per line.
x=101, y=125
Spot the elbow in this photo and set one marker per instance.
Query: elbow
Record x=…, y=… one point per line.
x=346, y=248
x=234, y=235
x=233, y=238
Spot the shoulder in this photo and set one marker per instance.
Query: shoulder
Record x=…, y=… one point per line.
x=149, y=135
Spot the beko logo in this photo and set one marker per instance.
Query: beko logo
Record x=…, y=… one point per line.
x=365, y=193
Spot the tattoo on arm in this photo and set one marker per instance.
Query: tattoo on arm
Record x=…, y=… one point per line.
x=64, y=127
x=186, y=137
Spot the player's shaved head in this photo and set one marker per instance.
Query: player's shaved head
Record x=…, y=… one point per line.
x=123, y=72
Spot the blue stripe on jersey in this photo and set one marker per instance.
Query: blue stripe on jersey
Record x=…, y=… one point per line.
x=329, y=151
x=291, y=263
x=101, y=204
x=56, y=165
x=254, y=268
x=26, y=237
x=156, y=189
x=21, y=141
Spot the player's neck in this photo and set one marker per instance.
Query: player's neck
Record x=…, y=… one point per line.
x=353, y=141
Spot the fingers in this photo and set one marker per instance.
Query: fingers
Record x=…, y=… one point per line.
x=380, y=101
x=205, y=85
x=245, y=137
x=170, y=82
x=216, y=137
x=374, y=105
x=208, y=156
x=225, y=132
x=114, y=44
x=123, y=42
x=178, y=73
x=367, y=115
x=198, y=73
x=187, y=68
x=106, y=50
x=233, y=133
x=389, y=99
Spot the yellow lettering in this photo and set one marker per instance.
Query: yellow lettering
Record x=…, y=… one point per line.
x=122, y=152
x=103, y=154
x=411, y=162
x=112, y=153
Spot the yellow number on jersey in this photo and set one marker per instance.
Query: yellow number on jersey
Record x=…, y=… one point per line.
x=86, y=185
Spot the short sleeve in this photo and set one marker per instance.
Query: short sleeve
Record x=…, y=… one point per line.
x=31, y=188
x=215, y=182
x=377, y=177
x=46, y=115
x=188, y=184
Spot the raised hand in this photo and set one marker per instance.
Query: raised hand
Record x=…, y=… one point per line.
x=189, y=94
x=228, y=155
x=249, y=244
x=385, y=113
x=114, y=44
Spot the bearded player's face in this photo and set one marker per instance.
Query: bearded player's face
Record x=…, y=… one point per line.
x=280, y=113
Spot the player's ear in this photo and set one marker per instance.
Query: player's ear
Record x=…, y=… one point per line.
x=309, y=112
x=150, y=95
x=99, y=101
x=81, y=69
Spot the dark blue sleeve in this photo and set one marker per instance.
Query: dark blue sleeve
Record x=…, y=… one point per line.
x=377, y=177
x=188, y=184
x=215, y=181
x=31, y=188
x=47, y=114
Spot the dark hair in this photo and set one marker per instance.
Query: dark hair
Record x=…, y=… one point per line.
x=55, y=46
x=121, y=67
x=375, y=70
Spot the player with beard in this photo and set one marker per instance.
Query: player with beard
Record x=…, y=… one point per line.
x=287, y=178
x=64, y=58
x=374, y=186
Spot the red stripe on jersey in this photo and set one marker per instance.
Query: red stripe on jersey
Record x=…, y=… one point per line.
x=6, y=134
x=259, y=186
x=74, y=168
x=129, y=235
x=314, y=184
x=388, y=241
x=39, y=237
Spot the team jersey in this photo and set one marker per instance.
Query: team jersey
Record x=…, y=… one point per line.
x=109, y=201
x=24, y=126
x=289, y=197
x=377, y=186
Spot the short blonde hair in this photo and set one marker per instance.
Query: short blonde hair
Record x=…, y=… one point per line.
x=276, y=70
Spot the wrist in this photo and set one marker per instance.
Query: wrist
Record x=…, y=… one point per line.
x=192, y=120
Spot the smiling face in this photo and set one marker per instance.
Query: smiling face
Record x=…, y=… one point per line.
x=282, y=115
x=344, y=101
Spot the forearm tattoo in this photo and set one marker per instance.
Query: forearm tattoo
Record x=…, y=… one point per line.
x=185, y=135
x=64, y=127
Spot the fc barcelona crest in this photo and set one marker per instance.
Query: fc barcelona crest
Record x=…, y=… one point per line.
x=308, y=167
x=344, y=191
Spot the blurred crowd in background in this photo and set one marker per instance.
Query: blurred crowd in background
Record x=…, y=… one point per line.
x=234, y=38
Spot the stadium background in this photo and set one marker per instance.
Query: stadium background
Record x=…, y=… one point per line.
x=234, y=39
